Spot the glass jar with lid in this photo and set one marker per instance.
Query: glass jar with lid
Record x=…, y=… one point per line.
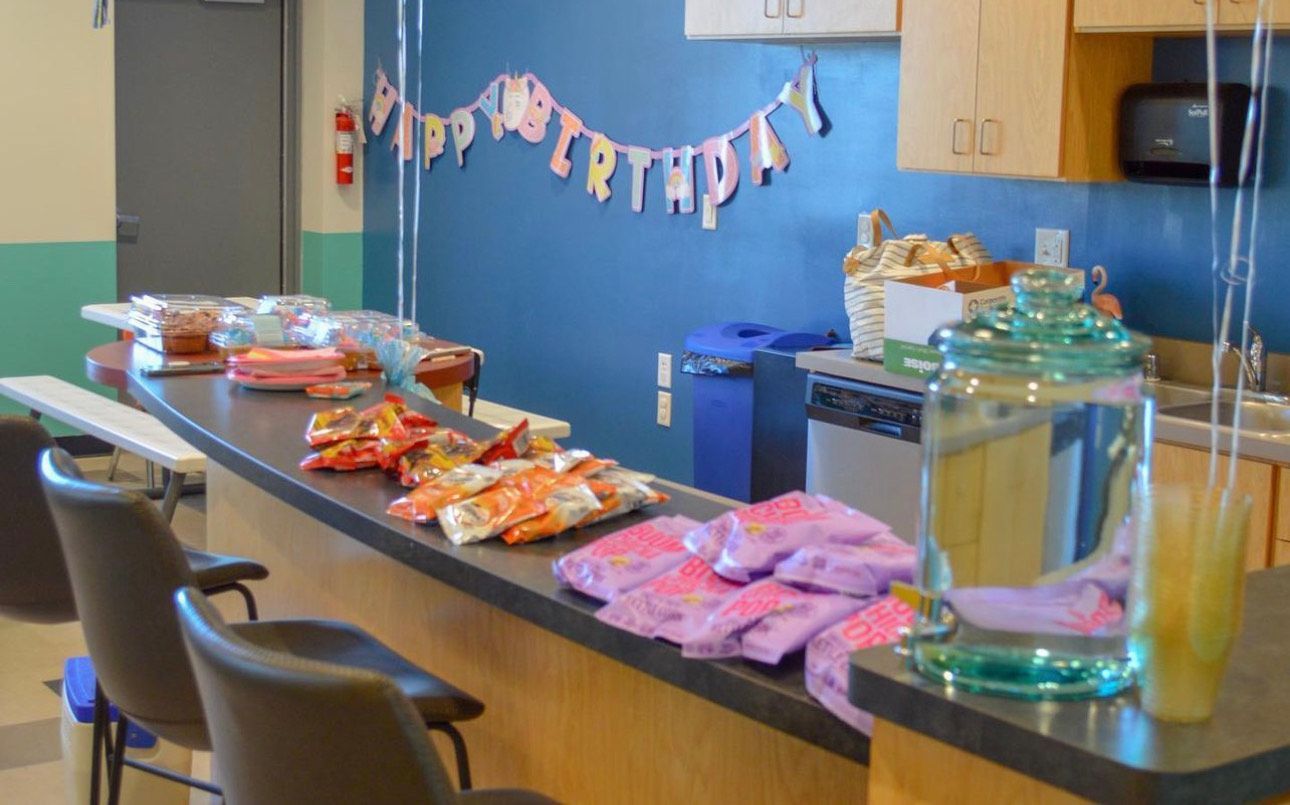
x=1036, y=431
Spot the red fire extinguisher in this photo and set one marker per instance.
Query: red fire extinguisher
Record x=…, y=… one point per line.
x=344, y=147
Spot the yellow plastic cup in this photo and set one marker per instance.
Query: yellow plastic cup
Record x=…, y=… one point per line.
x=1187, y=595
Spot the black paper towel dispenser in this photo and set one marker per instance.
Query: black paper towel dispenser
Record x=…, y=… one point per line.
x=1164, y=132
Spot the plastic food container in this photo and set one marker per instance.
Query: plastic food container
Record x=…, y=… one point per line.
x=295, y=310
x=356, y=333
x=178, y=323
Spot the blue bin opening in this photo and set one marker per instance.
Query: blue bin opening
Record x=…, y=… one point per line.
x=78, y=687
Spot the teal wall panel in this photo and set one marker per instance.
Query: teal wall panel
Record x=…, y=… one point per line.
x=332, y=267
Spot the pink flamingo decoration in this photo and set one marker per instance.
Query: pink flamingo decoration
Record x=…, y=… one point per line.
x=1105, y=302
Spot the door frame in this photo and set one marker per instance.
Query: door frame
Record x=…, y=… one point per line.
x=290, y=268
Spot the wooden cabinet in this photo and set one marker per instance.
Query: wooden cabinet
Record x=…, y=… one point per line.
x=1243, y=13
x=1281, y=523
x=1138, y=14
x=1002, y=87
x=1168, y=15
x=938, y=92
x=734, y=18
x=1173, y=464
x=790, y=19
x=1021, y=74
x=809, y=18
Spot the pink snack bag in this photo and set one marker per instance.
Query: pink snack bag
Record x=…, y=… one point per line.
x=763, y=535
x=625, y=559
x=671, y=604
x=719, y=635
x=864, y=570
x=786, y=631
x=1074, y=607
x=827, y=656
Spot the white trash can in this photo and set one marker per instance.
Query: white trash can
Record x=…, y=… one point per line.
x=137, y=787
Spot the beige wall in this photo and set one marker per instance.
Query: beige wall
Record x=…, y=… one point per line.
x=331, y=66
x=58, y=136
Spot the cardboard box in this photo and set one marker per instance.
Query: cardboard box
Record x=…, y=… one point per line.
x=918, y=306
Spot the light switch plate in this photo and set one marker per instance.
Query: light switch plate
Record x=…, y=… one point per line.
x=1053, y=247
x=665, y=409
x=709, y=213
x=664, y=370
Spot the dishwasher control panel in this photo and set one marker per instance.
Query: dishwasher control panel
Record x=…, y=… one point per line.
x=876, y=402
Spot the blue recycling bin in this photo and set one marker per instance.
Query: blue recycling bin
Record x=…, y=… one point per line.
x=720, y=357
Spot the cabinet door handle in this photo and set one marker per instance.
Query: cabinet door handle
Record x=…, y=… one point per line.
x=801, y=9
x=988, y=121
x=954, y=136
x=779, y=9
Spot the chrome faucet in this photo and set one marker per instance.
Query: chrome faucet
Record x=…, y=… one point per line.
x=1254, y=363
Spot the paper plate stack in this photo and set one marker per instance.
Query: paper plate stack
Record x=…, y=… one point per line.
x=285, y=369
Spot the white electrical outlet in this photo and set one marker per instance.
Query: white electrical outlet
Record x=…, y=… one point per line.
x=1053, y=247
x=664, y=370
x=864, y=230
x=665, y=409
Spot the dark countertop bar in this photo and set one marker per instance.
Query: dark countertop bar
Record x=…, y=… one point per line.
x=1109, y=750
x=260, y=437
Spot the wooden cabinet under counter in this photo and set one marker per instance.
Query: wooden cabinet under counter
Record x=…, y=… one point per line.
x=1281, y=523
x=1174, y=464
x=1002, y=87
x=791, y=19
x=1165, y=16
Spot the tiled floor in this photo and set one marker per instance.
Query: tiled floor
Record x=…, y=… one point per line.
x=31, y=668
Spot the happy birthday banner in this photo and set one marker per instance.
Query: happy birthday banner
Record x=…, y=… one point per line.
x=523, y=104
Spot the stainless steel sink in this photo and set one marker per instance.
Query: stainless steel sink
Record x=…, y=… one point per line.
x=1261, y=413
x=1169, y=395
x=1259, y=417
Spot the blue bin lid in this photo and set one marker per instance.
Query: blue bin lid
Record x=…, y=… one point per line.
x=78, y=688
x=737, y=340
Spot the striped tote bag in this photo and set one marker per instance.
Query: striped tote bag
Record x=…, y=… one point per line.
x=867, y=268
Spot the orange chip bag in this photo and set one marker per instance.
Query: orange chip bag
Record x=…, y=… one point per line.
x=346, y=456
x=422, y=504
x=512, y=500
x=336, y=425
x=541, y=445
x=429, y=461
x=511, y=443
x=566, y=505
x=487, y=514
x=629, y=494
x=445, y=443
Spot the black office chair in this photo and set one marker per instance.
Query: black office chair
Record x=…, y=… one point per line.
x=273, y=720
x=125, y=566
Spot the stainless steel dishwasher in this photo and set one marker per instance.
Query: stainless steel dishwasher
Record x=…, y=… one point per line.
x=862, y=448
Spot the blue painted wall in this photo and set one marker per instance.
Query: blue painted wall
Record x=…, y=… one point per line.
x=572, y=299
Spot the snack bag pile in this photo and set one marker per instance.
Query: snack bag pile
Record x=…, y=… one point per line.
x=348, y=439
x=827, y=655
x=518, y=488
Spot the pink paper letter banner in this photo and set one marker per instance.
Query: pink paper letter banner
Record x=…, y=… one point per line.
x=522, y=104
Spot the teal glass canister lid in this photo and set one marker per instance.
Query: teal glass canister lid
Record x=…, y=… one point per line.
x=1046, y=332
